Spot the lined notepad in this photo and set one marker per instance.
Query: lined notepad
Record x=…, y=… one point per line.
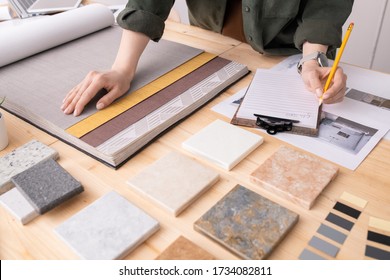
x=281, y=95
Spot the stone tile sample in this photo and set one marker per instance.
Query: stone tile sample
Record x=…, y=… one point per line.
x=247, y=223
x=109, y=228
x=184, y=249
x=46, y=185
x=18, y=206
x=223, y=144
x=295, y=176
x=21, y=159
x=174, y=181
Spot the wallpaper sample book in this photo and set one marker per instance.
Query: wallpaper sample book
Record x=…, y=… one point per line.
x=109, y=228
x=223, y=144
x=174, y=181
x=182, y=78
x=295, y=176
x=246, y=223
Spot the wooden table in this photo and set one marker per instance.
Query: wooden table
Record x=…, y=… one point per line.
x=37, y=240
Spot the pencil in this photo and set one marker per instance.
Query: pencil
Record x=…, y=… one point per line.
x=337, y=60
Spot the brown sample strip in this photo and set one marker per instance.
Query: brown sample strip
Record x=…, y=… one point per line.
x=142, y=109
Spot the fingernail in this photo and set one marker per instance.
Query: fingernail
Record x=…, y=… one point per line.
x=99, y=106
x=76, y=113
x=319, y=92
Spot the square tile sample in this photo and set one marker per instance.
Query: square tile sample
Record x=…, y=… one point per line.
x=18, y=206
x=174, y=181
x=295, y=176
x=223, y=144
x=109, y=228
x=46, y=185
x=184, y=249
x=246, y=223
x=21, y=159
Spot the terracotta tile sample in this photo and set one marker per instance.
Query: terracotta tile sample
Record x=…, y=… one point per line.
x=18, y=206
x=109, y=228
x=223, y=144
x=246, y=223
x=295, y=176
x=174, y=181
x=184, y=249
x=21, y=159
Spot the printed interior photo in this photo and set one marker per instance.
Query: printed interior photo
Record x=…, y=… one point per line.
x=344, y=133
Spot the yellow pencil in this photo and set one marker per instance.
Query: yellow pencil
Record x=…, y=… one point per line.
x=337, y=60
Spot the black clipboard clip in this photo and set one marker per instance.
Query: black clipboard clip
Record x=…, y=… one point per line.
x=274, y=125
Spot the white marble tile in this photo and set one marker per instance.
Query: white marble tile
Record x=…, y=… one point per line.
x=109, y=228
x=174, y=181
x=18, y=206
x=21, y=159
x=223, y=144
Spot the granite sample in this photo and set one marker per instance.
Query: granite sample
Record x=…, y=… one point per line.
x=109, y=228
x=246, y=223
x=295, y=176
x=18, y=206
x=184, y=249
x=21, y=159
x=46, y=185
x=174, y=181
x=223, y=144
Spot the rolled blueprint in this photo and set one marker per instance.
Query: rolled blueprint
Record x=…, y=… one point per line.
x=23, y=40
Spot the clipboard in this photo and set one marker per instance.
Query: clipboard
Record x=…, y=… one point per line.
x=280, y=99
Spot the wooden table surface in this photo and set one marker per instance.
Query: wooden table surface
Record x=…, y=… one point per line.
x=37, y=240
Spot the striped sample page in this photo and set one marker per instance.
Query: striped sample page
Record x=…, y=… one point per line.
x=334, y=230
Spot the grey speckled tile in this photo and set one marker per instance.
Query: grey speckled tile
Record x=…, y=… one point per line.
x=18, y=206
x=246, y=223
x=109, y=228
x=46, y=185
x=174, y=181
x=21, y=159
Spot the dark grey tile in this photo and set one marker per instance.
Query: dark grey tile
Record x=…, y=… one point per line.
x=246, y=223
x=46, y=185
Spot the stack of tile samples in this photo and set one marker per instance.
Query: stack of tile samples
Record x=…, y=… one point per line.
x=36, y=182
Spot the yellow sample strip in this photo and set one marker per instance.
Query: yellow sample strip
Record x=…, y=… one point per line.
x=379, y=224
x=100, y=117
x=354, y=200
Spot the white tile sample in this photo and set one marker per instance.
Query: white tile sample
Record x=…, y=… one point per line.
x=174, y=181
x=223, y=144
x=18, y=206
x=109, y=228
x=21, y=159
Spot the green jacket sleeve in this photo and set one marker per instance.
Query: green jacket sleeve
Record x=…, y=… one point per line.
x=146, y=16
x=321, y=22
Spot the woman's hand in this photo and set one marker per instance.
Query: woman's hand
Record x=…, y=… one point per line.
x=114, y=82
x=314, y=78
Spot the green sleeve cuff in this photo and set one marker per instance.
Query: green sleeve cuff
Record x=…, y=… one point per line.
x=142, y=21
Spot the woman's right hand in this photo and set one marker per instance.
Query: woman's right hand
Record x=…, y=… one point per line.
x=114, y=82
